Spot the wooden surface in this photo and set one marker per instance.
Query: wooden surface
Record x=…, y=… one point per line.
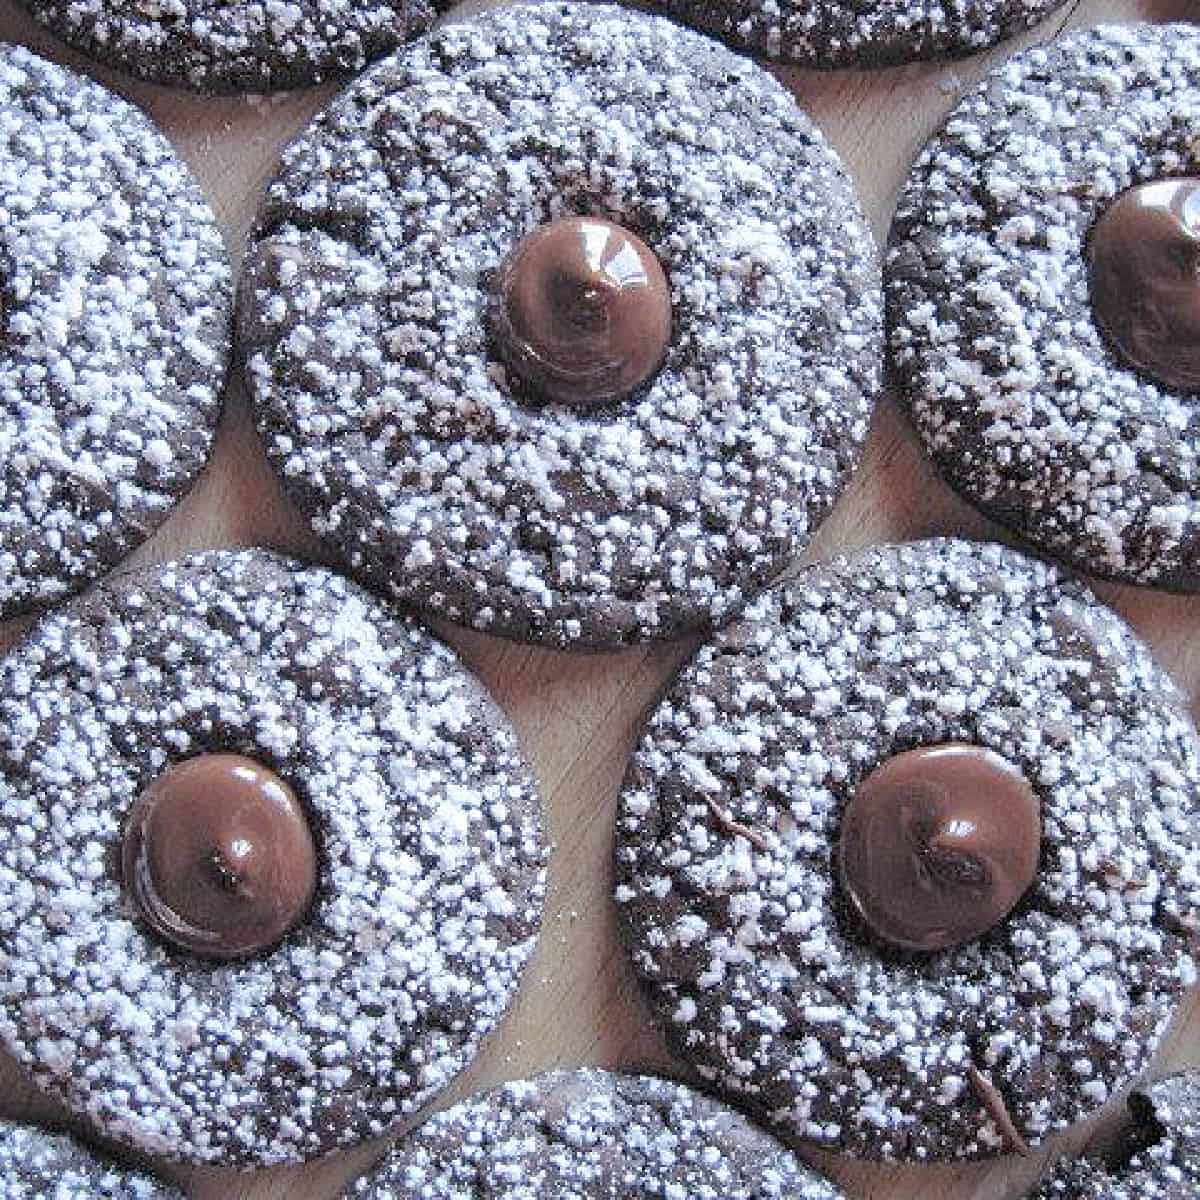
x=577, y=715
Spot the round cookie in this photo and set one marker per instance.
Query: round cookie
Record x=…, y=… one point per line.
x=365, y=324
x=591, y=1133
x=752, y=955
x=236, y=45
x=1156, y=1156
x=849, y=33
x=1027, y=407
x=430, y=861
x=115, y=302
x=38, y=1165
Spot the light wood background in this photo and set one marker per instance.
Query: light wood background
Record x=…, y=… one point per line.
x=577, y=715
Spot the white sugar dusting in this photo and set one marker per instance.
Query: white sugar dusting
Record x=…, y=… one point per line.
x=591, y=1133
x=1156, y=1153
x=836, y=33
x=236, y=45
x=37, y=1165
x=1011, y=384
x=114, y=317
x=431, y=861
x=746, y=950
x=384, y=407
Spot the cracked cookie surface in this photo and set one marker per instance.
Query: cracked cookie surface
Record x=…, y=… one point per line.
x=384, y=406
x=1156, y=1155
x=115, y=301
x=1025, y=407
x=729, y=818
x=846, y=33
x=236, y=45
x=36, y=1164
x=591, y=1133
x=429, y=844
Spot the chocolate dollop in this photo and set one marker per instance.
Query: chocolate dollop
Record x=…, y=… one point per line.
x=582, y=312
x=218, y=857
x=1144, y=259
x=938, y=844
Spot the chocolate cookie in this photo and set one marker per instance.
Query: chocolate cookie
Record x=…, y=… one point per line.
x=849, y=33
x=907, y=857
x=115, y=297
x=591, y=1133
x=272, y=863
x=37, y=1165
x=1156, y=1155
x=1043, y=309
x=236, y=45
x=612, y=482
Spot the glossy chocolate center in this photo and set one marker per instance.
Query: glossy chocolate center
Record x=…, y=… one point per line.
x=218, y=857
x=582, y=312
x=938, y=844
x=1144, y=257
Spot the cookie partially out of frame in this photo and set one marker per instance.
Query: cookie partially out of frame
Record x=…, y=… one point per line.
x=38, y=1165
x=1023, y=402
x=591, y=1133
x=429, y=847
x=849, y=33
x=115, y=299
x=236, y=45
x=728, y=884
x=381, y=398
x=1155, y=1156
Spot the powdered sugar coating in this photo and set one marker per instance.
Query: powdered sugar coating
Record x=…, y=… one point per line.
x=1080, y=1179
x=591, y=1133
x=1165, y=1120
x=431, y=861
x=749, y=955
x=841, y=33
x=115, y=297
x=1023, y=405
x=236, y=45
x=37, y=1165
x=383, y=405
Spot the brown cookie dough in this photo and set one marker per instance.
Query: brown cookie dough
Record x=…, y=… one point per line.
x=1002, y=348
x=115, y=298
x=236, y=45
x=850, y=33
x=38, y=1165
x=596, y=1134
x=430, y=861
x=752, y=954
x=366, y=327
x=1154, y=1156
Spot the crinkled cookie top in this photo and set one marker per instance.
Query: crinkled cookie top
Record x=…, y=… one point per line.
x=236, y=45
x=730, y=815
x=591, y=1133
x=1026, y=408
x=383, y=403
x=38, y=1165
x=115, y=299
x=430, y=861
